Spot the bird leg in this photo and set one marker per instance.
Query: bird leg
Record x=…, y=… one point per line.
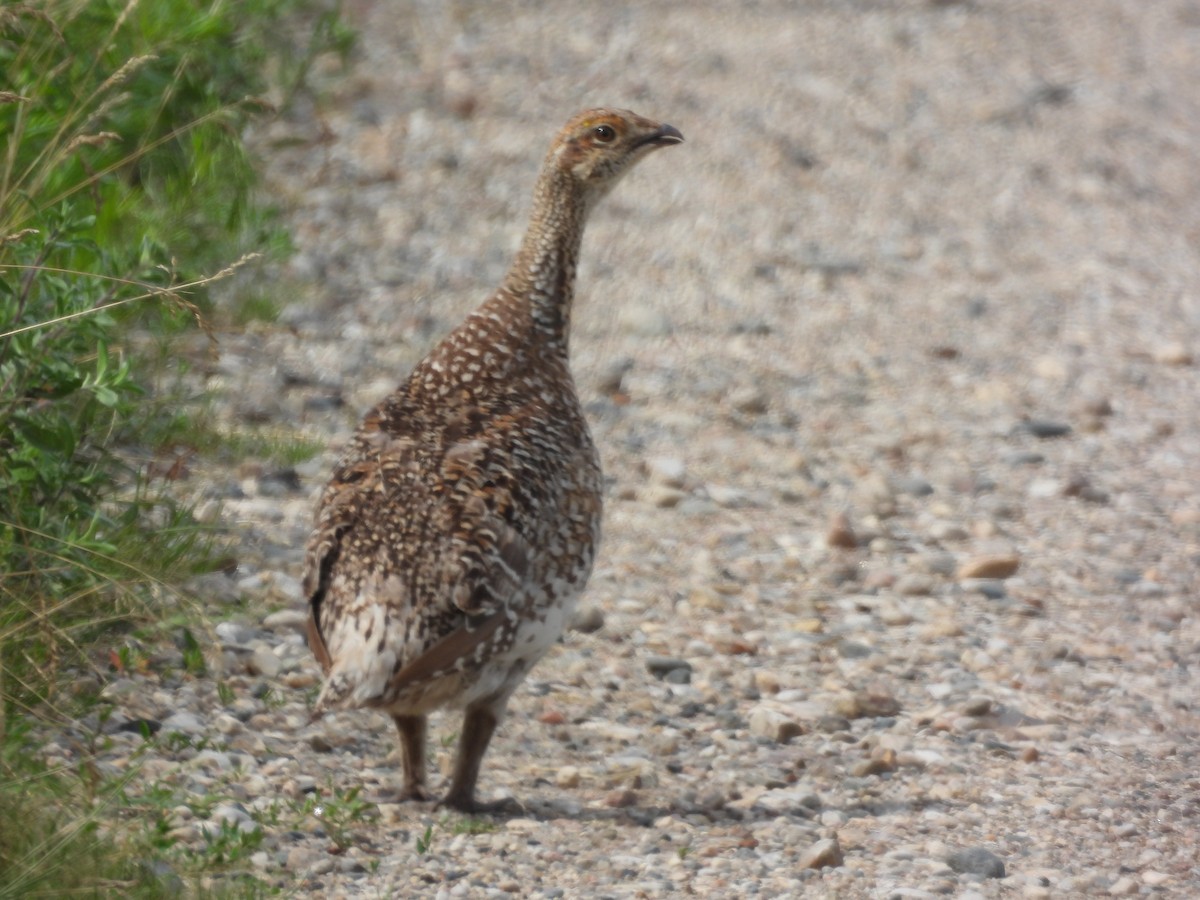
x=412, y=748
x=479, y=724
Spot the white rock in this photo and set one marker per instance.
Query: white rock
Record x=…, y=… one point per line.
x=772, y=723
x=667, y=470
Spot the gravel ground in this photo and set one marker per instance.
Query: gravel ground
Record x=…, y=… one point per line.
x=893, y=368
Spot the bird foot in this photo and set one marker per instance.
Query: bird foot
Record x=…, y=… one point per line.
x=412, y=793
x=505, y=806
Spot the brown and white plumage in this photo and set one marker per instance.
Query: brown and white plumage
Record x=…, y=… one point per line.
x=462, y=521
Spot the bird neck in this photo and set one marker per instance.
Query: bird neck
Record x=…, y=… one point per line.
x=542, y=276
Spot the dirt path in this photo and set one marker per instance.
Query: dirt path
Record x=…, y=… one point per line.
x=921, y=292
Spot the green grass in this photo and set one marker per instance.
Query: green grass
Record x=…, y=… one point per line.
x=70, y=831
x=125, y=191
x=280, y=447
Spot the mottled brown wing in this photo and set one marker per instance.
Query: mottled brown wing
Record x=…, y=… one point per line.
x=436, y=517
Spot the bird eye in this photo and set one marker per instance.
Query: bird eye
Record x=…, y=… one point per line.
x=604, y=133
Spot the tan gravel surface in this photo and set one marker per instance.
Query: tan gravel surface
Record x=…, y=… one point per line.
x=893, y=369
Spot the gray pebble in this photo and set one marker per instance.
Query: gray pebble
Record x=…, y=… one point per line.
x=660, y=666
x=790, y=801
x=183, y=723
x=287, y=620
x=1025, y=458
x=913, y=485
x=587, y=619
x=823, y=853
x=915, y=584
x=976, y=861
x=234, y=633
x=666, y=470
x=977, y=706
x=1044, y=428
x=678, y=676
x=263, y=661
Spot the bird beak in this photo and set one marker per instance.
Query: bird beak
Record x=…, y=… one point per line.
x=666, y=134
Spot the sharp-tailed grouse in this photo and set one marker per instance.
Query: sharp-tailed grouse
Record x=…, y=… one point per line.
x=461, y=524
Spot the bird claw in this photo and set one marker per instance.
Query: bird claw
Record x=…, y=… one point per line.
x=505, y=806
x=413, y=793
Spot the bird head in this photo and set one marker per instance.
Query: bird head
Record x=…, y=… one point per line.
x=598, y=146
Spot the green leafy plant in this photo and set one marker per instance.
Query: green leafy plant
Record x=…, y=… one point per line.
x=123, y=179
x=468, y=825
x=227, y=843
x=341, y=811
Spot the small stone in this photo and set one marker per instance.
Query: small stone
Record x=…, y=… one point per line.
x=1079, y=486
x=287, y=620
x=945, y=626
x=768, y=722
x=234, y=633
x=666, y=470
x=822, y=854
x=1125, y=886
x=749, y=400
x=1044, y=488
x=1154, y=878
x=853, y=649
x=213, y=760
x=989, y=567
x=976, y=861
x=840, y=533
x=766, y=681
x=1173, y=354
x=977, y=706
x=320, y=743
x=894, y=616
x=876, y=765
x=643, y=320
x=789, y=801
x=830, y=724
x=659, y=666
x=912, y=485
x=587, y=619
x=300, y=858
x=915, y=584
x=183, y=723
x=874, y=703
x=947, y=531
x=612, y=377
x=621, y=799
x=1183, y=517
x=1025, y=458
x=662, y=496
x=300, y=680
x=1052, y=368
x=263, y=662
x=1045, y=428
x=937, y=563
x=678, y=676
x=725, y=496
x=992, y=588
x=229, y=815
x=567, y=777
x=1030, y=755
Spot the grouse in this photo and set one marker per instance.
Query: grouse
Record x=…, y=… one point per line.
x=462, y=521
